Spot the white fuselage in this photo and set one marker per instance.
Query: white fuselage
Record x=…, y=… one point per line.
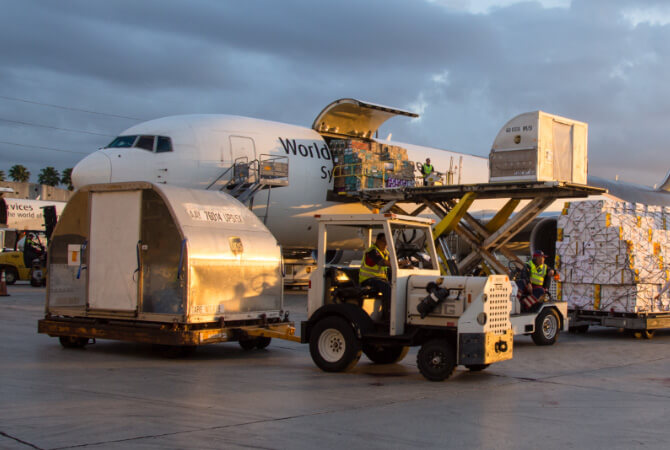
x=204, y=146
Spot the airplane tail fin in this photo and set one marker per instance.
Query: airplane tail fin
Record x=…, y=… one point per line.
x=665, y=186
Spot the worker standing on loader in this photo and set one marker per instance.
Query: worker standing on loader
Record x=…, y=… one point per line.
x=426, y=170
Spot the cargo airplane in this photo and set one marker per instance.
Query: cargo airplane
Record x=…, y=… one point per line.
x=194, y=151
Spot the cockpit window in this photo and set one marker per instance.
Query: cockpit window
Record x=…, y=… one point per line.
x=164, y=145
x=123, y=142
x=146, y=143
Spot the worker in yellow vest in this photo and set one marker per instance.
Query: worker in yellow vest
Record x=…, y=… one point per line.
x=426, y=170
x=374, y=271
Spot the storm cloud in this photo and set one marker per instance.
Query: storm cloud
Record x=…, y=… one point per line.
x=465, y=66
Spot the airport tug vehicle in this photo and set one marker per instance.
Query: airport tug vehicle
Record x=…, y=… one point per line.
x=456, y=320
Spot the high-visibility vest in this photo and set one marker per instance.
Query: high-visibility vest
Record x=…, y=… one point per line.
x=537, y=274
x=375, y=271
x=427, y=169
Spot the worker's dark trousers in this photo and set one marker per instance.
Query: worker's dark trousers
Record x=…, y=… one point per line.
x=384, y=288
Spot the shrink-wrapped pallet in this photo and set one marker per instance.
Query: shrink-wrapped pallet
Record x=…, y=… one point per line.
x=612, y=255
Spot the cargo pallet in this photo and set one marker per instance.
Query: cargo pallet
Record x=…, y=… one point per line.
x=641, y=325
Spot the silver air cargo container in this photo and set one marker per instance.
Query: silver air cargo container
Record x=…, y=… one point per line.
x=161, y=264
x=537, y=146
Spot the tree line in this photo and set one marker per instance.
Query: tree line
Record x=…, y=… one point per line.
x=48, y=175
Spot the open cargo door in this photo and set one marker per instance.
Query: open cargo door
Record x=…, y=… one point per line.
x=354, y=118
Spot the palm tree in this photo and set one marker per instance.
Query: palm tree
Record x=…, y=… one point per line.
x=66, y=178
x=49, y=176
x=19, y=173
x=2, y=175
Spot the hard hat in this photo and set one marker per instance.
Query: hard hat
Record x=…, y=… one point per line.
x=538, y=253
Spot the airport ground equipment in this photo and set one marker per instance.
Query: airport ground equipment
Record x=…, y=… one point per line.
x=456, y=320
x=640, y=325
x=451, y=203
x=164, y=265
x=487, y=240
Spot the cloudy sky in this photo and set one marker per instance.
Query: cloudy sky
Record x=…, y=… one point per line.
x=76, y=73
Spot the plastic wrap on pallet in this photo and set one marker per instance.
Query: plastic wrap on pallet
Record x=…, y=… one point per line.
x=619, y=246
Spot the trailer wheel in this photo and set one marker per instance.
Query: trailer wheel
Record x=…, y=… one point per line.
x=385, y=354
x=581, y=329
x=176, y=351
x=259, y=343
x=333, y=345
x=547, y=328
x=646, y=334
x=476, y=367
x=72, y=341
x=263, y=342
x=436, y=359
x=247, y=344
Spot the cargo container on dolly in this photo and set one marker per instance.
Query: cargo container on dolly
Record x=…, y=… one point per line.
x=163, y=265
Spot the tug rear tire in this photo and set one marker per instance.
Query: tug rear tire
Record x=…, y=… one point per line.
x=333, y=345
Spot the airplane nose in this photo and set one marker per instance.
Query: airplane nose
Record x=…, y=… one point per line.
x=95, y=168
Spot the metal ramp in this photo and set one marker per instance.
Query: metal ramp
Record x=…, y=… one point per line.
x=451, y=203
x=245, y=178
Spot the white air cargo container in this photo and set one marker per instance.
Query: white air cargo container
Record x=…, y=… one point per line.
x=537, y=146
x=167, y=265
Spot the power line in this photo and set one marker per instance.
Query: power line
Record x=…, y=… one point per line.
x=54, y=128
x=68, y=108
x=44, y=148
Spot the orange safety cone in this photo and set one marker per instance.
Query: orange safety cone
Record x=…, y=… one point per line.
x=3, y=285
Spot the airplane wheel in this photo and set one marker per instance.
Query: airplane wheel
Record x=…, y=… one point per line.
x=436, y=359
x=385, y=354
x=547, y=327
x=333, y=345
x=73, y=341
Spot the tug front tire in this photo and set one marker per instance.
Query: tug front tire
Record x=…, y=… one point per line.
x=436, y=359
x=333, y=345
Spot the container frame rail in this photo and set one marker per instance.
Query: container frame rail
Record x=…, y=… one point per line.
x=78, y=331
x=451, y=203
x=640, y=325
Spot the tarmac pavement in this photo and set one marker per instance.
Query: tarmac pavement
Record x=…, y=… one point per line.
x=603, y=389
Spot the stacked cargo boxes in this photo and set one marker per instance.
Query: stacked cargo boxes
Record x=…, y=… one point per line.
x=361, y=164
x=612, y=256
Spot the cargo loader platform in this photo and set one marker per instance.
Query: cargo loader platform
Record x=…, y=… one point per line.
x=451, y=203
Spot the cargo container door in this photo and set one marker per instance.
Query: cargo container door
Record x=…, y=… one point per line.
x=113, y=247
x=562, y=140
